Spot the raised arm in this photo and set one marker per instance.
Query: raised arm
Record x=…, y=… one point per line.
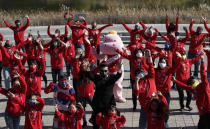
x=27, y=24
x=48, y=31
x=177, y=23
x=125, y=55
x=103, y=27
x=204, y=78
x=126, y=27
x=143, y=25
x=167, y=22
x=41, y=103
x=1, y=37
x=8, y=25
x=49, y=88
x=40, y=72
x=183, y=86
x=191, y=27
x=205, y=25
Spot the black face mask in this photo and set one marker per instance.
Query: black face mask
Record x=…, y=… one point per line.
x=198, y=33
x=104, y=74
x=8, y=45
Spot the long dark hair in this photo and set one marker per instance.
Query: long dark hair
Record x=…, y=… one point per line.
x=160, y=112
x=82, y=78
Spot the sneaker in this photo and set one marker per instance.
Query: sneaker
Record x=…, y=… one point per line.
x=134, y=109
x=91, y=120
x=189, y=108
x=181, y=109
x=121, y=100
x=166, y=125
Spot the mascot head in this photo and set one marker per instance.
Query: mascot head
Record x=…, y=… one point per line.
x=111, y=42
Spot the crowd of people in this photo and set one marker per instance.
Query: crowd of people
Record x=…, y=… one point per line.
x=24, y=65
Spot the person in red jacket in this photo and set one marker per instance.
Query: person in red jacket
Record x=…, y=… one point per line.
x=207, y=52
x=111, y=120
x=32, y=109
x=171, y=27
x=64, y=94
x=13, y=109
x=57, y=33
x=196, y=42
x=201, y=91
x=1, y=40
x=77, y=32
x=135, y=34
x=72, y=118
x=182, y=74
x=144, y=86
x=18, y=30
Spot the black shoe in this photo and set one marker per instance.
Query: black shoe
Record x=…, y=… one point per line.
x=189, y=108
x=84, y=124
x=181, y=109
x=91, y=121
x=134, y=109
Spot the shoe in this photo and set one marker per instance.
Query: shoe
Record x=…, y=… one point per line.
x=134, y=109
x=181, y=109
x=84, y=124
x=166, y=125
x=121, y=100
x=91, y=121
x=189, y=108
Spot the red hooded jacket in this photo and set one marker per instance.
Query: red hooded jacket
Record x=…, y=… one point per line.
x=61, y=37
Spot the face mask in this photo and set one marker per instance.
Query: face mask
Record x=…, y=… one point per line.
x=72, y=111
x=104, y=74
x=162, y=65
x=64, y=83
x=56, y=34
x=32, y=68
x=8, y=45
x=184, y=57
x=139, y=54
x=195, y=84
x=32, y=102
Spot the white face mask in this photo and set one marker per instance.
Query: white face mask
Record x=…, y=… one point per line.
x=162, y=65
x=56, y=34
x=139, y=54
x=142, y=74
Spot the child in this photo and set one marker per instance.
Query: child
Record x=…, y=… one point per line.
x=72, y=117
x=111, y=120
x=33, y=111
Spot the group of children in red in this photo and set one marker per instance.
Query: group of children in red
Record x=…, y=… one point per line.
x=151, y=85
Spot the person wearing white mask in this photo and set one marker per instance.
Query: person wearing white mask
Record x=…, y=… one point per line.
x=163, y=74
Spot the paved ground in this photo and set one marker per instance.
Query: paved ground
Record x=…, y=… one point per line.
x=177, y=119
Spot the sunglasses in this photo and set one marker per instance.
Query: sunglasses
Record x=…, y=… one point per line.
x=105, y=71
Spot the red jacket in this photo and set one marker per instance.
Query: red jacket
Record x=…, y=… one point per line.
x=1, y=39
x=86, y=91
x=75, y=65
x=146, y=86
x=163, y=78
x=103, y=121
x=95, y=33
x=183, y=72
x=154, y=120
x=71, y=122
x=77, y=32
x=133, y=34
x=208, y=59
x=181, y=42
x=18, y=31
x=61, y=37
x=135, y=62
x=33, y=115
x=14, y=108
x=88, y=53
x=202, y=92
x=70, y=51
x=33, y=80
x=196, y=41
x=56, y=57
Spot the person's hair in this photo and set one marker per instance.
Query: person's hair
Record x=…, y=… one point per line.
x=171, y=27
x=17, y=21
x=82, y=78
x=52, y=46
x=176, y=33
x=160, y=59
x=199, y=27
x=159, y=110
x=57, y=30
x=138, y=49
x=33, y=94
x=189, y=80
x=112, y=107
x=102, y=65
x=138, y=70
x=62, y=76
x=13, y=80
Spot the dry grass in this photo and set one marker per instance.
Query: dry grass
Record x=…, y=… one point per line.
x=111, y=15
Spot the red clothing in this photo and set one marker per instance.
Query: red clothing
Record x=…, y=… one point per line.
x=181, y=42
x=14, y=108
x=146, y=86
x=56, y=57
x=208, y=59
x=18, y=31
x=88, y=53
x=176, y=27
x=31, y=51
x=33, y=115
x=70, y=50
x=163, y=78
x=103, y=121
x=183, y=72
x=71, y=121
x=135, y=62
x=206, y=27
x=196, y=40
x=33, y=80
x=154, y=120
x=202, y=92
x=61, y=37
x=151, y=39
x=86, y=91
x=133, y=34
x=95, y=34
x=1, y=39
x=77, y=32
x=75, y=65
